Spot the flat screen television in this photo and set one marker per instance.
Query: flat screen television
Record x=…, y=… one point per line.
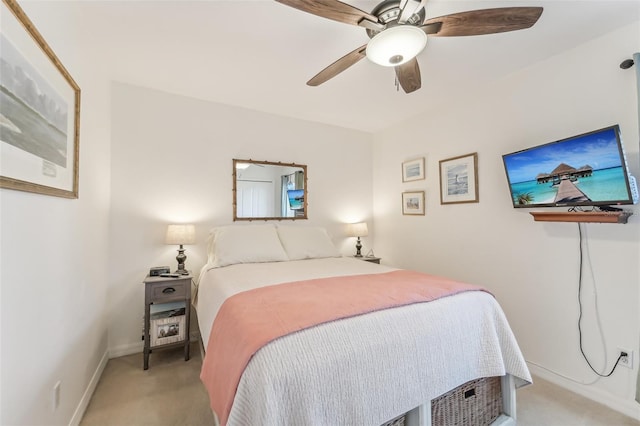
x=296, y=199
x=584, y=170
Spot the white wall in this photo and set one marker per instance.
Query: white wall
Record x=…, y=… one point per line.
x=164, y=158
x=531, y=267
x=53, y=276
x=172, y=162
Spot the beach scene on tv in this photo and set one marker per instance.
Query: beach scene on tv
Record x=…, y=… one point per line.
x=582, y=170
x=296, y=199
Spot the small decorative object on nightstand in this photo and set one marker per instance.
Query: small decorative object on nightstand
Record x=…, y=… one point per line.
x=371, y=259
x=181, y=234
x=358, y=230
x=167, y=305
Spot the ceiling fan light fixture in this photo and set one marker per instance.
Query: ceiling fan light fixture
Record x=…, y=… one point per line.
x=396, y=45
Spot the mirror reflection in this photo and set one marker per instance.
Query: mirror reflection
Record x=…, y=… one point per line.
x=268, y=190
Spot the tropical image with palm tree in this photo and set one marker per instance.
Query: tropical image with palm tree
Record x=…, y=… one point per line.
x=524, y=198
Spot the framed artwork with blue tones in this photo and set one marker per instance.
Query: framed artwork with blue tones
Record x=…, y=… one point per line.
x=413, y=170
x=459, y=179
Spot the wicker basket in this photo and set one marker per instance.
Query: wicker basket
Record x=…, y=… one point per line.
x=475, y=403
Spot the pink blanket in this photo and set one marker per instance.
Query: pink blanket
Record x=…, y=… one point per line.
x=251, y=319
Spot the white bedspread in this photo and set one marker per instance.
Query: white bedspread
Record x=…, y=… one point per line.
x=367, y=369
x=217, y=284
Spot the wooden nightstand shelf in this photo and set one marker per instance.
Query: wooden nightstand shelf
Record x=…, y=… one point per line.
x=371, y=259
x=168, y=325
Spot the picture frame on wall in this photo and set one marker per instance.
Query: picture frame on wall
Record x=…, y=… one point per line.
x=459, y=179
x=40, y=111
x=413, y=170
x=413, y=203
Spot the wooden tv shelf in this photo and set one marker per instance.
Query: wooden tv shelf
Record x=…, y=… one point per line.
x=597, y=217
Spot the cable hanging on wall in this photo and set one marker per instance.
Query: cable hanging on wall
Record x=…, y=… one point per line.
x=584, y=355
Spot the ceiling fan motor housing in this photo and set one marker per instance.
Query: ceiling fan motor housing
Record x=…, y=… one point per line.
x=388, y=13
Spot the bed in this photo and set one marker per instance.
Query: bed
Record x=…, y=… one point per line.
x=374, y=368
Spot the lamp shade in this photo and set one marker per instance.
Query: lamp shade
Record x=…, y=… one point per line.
x=181, y=234
x=396, y=45
x=357, y=229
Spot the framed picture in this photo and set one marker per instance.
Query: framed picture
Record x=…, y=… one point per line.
x=459, y=179
x=413, y=203
x=413, y=170
x=39, y=111
x=167, y=330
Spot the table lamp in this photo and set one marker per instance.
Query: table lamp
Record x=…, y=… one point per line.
x=181, y=234
x=358, y=230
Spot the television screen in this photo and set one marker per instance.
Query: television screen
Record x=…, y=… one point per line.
x=584, y=170
x=296, y=199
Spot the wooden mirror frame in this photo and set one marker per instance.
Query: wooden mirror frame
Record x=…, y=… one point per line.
x=268, y=163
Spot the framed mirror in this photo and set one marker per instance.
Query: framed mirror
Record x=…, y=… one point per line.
x=265, y=190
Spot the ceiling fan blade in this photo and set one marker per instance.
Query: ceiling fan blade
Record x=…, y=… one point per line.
x=331, y=9
x=432, y=28
x=408, y=75
x=338, y=66
x=486, y=21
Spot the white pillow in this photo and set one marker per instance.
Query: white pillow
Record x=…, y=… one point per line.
x=306, y=242
x=245, y=244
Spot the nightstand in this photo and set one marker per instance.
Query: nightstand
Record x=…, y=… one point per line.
x=167, y=305
x=370, y=259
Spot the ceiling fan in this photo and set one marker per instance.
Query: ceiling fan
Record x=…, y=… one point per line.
x=399, y=31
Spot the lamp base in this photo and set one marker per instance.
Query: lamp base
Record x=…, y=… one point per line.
x=181, y=270
x=358, y=248
x=181, y=258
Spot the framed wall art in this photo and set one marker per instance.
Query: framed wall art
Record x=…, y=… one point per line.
x=459, y=179
x=39, y=111
x=413, y=170
x=413, y=203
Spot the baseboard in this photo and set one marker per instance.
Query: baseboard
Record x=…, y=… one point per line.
x=128, y=349
x=626, y=407
x=88, y=393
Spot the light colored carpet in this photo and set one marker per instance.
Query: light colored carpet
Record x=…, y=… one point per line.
x=544, y=403
x=170, y=393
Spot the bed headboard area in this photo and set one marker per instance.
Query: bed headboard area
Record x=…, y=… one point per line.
x=233, y=244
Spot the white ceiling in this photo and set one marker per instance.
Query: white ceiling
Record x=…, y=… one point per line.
x=259, y=54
